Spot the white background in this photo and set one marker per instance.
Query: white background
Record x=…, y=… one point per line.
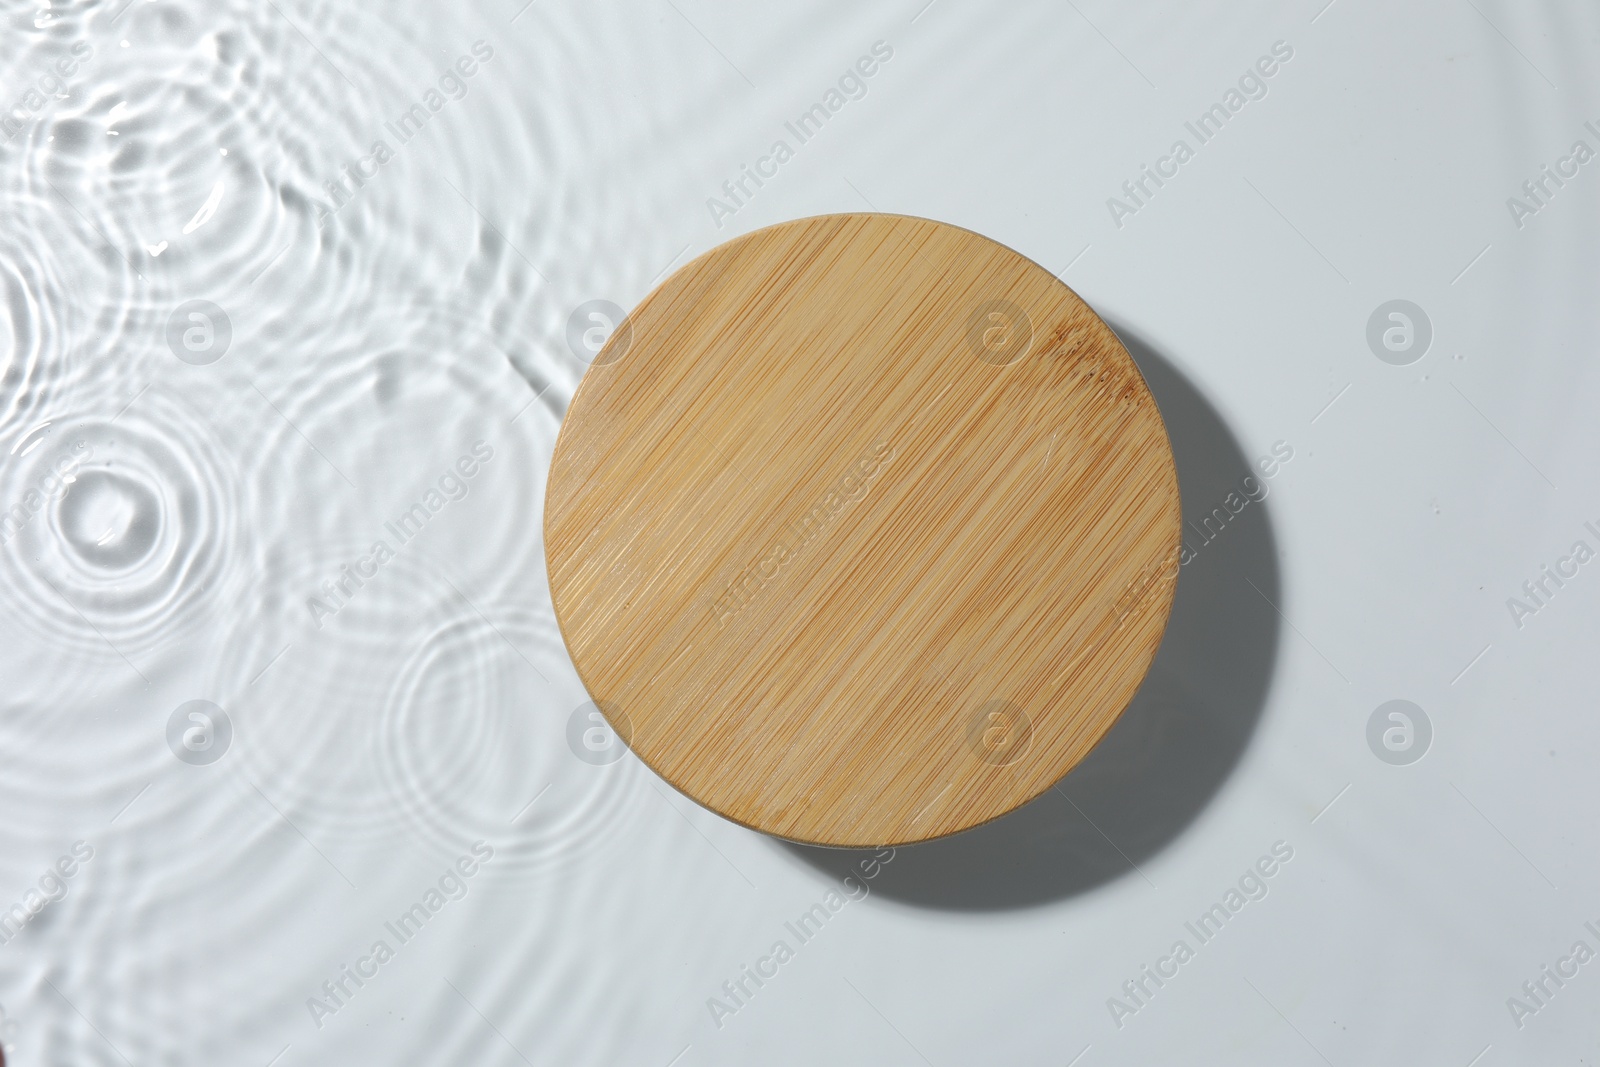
x=373, y=345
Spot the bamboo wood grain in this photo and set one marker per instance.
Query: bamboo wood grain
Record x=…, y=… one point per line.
x=865, y=533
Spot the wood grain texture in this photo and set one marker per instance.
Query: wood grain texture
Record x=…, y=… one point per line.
x=865, y=533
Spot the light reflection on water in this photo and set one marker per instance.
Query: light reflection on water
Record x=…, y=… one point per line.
x=176, y=523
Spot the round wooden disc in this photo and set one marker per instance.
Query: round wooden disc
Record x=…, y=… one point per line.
x=863, y=531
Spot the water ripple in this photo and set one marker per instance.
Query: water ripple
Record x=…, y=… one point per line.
x=121, y=530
